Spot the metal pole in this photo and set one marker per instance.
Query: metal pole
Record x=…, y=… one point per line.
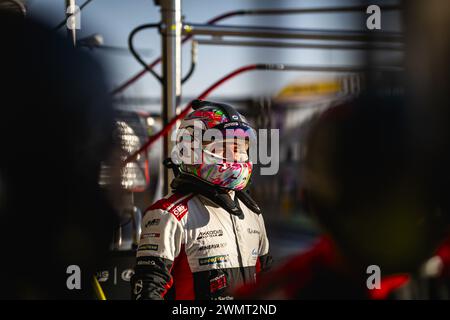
x=171, y=67
x=72, y=31
x=279, y=44
x=290, y=33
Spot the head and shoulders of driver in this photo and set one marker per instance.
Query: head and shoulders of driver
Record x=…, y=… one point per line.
x=212, y=165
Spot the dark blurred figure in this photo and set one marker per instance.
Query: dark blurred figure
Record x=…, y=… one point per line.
x=364, y=185
x=428, y=67
x=57, y=129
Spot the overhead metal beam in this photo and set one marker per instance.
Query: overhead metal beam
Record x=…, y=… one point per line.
x=346, y=9
x=293, y=45
x=290, y=33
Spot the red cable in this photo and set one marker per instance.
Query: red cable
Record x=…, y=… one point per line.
x=229, y=76
x=186, y=109
x=133, y=79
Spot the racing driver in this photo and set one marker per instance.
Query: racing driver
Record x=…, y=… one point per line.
x=208, y=236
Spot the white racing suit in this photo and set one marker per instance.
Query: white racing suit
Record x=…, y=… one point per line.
x=193, y=248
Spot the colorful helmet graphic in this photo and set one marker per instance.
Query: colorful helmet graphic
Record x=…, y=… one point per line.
x=214, y=141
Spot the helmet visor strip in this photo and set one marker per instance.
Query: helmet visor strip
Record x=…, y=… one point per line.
x=228, y=143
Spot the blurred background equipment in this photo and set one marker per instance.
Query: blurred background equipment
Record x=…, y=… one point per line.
x=13, y=6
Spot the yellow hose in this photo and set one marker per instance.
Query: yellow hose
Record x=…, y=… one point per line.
x=98, y=289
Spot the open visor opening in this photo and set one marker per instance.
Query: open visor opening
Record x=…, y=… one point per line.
x=230, y=143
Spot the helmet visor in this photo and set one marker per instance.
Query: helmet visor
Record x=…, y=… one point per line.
x=230, y=143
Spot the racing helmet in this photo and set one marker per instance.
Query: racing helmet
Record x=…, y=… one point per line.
x=214, y=142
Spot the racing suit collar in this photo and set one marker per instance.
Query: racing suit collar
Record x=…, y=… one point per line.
x=184, y=183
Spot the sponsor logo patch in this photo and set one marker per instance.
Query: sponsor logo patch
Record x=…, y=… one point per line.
x=230, y=124
x=150, y=235
x=212, y=246
x=253, y=231
x=224, y=298
x=145, y=262
x=254, y=254
x=217, y=283
x=127, y=274
x=143, y=247
x=213, y=260
x=153, y=222
x=179, y=210
x=210, y=233
x=102, y=276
